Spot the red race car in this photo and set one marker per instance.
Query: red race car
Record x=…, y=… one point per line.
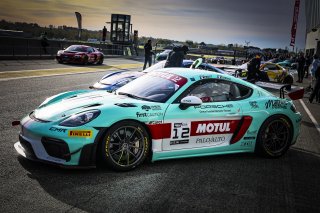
x=80, y=54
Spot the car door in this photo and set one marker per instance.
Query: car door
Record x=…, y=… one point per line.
x=91, y=54
x=210, y=124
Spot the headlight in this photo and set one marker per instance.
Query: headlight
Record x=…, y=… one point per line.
x=81, y=118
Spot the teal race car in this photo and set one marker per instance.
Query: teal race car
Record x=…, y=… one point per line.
x=173, y=113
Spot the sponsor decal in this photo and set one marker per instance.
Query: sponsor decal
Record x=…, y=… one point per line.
x=246, y=143
x=176, y=142
x=179, y=80
x=254, y=132
x=192, y=79
x=80, y=133
x=223, y=77
x=151, y=114
x=147, y=108
x=276, y=104
x=205, y=76
x=213, y=127
x=54, y=129
x=253, y=104
x=211, y=140
x=216, y=106
x=154, y=122
x=217, y=110
x=249, y=138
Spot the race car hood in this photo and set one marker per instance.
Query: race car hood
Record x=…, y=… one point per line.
x=79, y=103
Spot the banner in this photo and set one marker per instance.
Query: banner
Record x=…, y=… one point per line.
x=79, y=20
x=294, y=22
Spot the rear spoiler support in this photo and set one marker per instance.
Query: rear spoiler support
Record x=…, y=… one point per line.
x=294, y=92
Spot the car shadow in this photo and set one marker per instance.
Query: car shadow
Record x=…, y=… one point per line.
x=245, y=181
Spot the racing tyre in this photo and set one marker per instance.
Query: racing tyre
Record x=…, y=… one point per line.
x=100, y=61
x=125, y=146
x=288, y=79
x=274, y=137
x=59, y=61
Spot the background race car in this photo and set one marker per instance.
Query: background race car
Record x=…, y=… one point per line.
x=115, y=80
x=80, y=54
x=172, y=113
x=270, y=72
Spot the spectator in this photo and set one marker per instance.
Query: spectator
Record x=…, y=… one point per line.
x=176, y=56
x=104, y=34
x=147, y=54
x=316, y=88
x=253, y=68
x=307, y=65
x=301, y=63
x=44, y=42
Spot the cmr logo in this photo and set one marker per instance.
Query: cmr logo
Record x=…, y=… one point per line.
x=80, y=133
x=213, y=127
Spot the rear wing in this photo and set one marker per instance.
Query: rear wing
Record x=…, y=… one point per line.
x=294, y=92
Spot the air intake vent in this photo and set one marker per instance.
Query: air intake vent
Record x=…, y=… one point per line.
x=92, y=105
x=125, y=105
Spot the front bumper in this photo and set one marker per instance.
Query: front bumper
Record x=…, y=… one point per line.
x=70, y=59
x=38, y=143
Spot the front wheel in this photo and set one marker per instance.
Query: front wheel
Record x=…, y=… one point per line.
x=274, y=137
x=125, y=146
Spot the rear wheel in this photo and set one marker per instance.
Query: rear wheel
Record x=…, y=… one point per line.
x=85, y=60
x=125, y=146
x=100, y=61
x=274, y=137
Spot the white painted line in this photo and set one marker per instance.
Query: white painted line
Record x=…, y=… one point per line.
x=314, y=121
x=37, y=76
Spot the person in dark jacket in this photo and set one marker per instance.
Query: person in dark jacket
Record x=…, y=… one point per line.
x=176, y=56
x=316, y=88
x=147, y=54
x=307, y=65
x=301, y=62
x=253, y=68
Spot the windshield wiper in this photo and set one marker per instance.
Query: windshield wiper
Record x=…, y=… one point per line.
x=133, y=96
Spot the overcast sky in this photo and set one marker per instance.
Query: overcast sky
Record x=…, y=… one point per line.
x=265, y=23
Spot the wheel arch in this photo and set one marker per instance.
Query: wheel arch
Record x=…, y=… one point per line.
x=103, y=131
x=274, y=115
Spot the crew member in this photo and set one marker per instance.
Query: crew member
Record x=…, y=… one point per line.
x=147, y=54
x=253, y=68
x=176, y=56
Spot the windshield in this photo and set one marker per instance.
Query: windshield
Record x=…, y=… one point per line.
x=157, y=66
x=154, y=86
x=114, y=79
x=77, y=49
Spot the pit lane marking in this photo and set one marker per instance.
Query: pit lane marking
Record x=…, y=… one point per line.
x=314, y=121
x=12, y=75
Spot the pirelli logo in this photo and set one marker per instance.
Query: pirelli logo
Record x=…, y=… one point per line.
x=80, y=133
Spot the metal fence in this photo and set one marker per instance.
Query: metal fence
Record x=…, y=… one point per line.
x=32, y=47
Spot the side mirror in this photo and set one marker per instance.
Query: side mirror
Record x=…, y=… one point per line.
x=189, y=101
x=91, y=87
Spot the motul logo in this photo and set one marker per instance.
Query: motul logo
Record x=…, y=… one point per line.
x=213, y=127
